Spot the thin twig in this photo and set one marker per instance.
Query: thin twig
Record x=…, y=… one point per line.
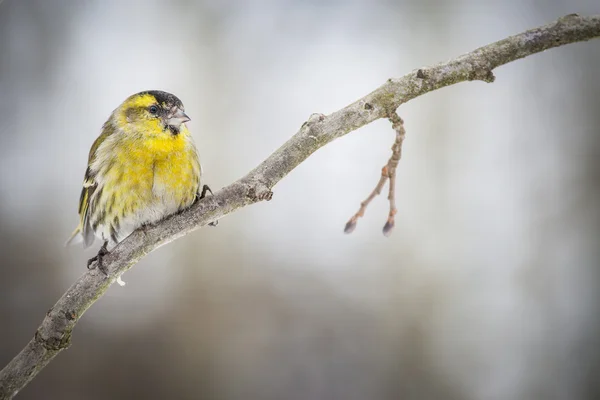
x=351, y=224
x=388, y=173
x=54, y=333
x=398, y=126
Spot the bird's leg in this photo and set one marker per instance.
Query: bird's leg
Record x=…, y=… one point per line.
x=98, y=257
x=205, y=189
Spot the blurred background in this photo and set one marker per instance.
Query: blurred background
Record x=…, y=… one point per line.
x=489, y=287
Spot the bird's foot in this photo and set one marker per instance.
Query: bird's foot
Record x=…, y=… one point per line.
x=99, y=257
x=205, y=189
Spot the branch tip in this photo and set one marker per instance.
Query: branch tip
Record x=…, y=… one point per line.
x=350, y=226
x=388, y=228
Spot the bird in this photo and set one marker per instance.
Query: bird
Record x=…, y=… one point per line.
x=143, y=167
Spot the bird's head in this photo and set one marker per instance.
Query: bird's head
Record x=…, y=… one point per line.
x=152, y=112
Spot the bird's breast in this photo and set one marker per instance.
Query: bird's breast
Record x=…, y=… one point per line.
x=176, y=177
x=154, y=177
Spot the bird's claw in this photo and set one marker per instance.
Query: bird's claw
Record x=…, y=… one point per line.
x=205, y=189
x=99, y=257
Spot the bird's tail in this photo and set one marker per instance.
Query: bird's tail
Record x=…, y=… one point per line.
x=75, y=237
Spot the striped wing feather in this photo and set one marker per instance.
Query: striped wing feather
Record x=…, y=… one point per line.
x=89, y=187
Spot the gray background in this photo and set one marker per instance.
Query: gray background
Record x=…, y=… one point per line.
x=488, y=289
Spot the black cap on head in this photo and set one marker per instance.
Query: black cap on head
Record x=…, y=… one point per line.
x=164, y=98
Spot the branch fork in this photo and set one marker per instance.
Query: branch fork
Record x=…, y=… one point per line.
x=388, y=173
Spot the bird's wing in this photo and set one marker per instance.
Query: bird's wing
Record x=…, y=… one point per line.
x=89, y=187
x=87, y=234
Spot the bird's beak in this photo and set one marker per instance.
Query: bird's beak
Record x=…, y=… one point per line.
x=178, y=118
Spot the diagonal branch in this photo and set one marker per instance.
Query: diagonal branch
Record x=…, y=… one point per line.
x=54, y=334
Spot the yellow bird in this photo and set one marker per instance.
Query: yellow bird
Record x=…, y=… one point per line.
x=142, y=168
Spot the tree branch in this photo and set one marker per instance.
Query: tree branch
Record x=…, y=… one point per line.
x=54, y=334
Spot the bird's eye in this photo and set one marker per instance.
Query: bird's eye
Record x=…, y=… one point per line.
x=153, y=109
